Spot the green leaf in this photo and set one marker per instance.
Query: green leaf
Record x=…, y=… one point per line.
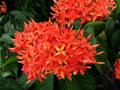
x=109, y=29
x=22, y=81
x=1, y=30
x=102, y=58
x=116, y=13
x=79, y=82
x=19, y=14
x=90, y=30
x=29, y=14
x=98, y=26
x=77, y=25
x=86, y=82
x=13, y=68
x=6, y=38
x=11, y=60
x=115, y=40
x=47, y=84
x=73, y=85
x=0, y=57
x=9, y=28
x=1, y=18
x=9, y=84
x=18, y=25
x=5, y=74
x=118, y=3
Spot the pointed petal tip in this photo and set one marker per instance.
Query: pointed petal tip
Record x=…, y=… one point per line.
x=100, y=53
x=100, y=62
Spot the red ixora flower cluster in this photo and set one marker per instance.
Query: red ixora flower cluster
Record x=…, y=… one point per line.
x=44, y=48
x=67, y=11
x=3, y=7
x=117, y=69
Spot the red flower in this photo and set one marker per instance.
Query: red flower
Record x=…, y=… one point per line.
x=67, y=11
x=117, y=69
x=3, y=8
x=44, y=48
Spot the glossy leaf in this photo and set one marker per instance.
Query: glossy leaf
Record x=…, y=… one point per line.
x=11, y=60
x=5, y=74
x=98, y=26
x=90, y=30
x=13, y=68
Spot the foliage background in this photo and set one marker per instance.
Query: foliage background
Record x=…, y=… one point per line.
x=100, y=77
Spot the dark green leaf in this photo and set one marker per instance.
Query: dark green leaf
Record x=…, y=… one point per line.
x=98, y=26
x=79, y=82
x=77, y=25
x=18, y=25
x=22, y=81
x=62, y=85
x=5, y=74
x=19, y=14
x=73, y=85
x=9, y=28
x=86, y=82
x=47, y=84
x=9, y=84
x=6, y=38
x=89, y=30
x=115, y=40
x=1, y=18
x=116, y=13
x=29, y=14
x=0, y=57
x=13, y=68
x=102, y=58
x=11, y=60
x=110, y=28
x=118, y=3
